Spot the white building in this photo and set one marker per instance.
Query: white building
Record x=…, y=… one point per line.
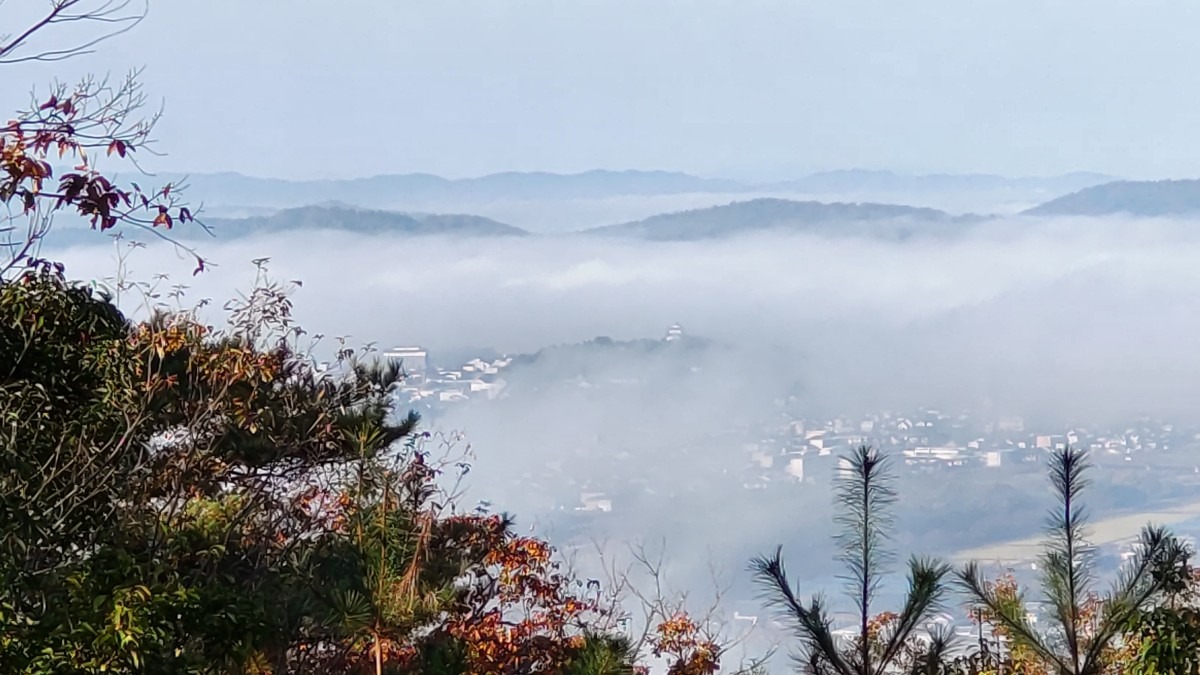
x=795, y=468
x=491, y=388
x=412, y=359
x=594, y=501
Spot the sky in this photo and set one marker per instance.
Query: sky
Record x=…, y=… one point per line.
x=751, y=89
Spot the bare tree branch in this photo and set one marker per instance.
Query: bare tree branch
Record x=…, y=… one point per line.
x=116, y=16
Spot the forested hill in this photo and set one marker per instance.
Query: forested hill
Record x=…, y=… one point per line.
x=888, y=220
x=350, y=219
x=1138, y=198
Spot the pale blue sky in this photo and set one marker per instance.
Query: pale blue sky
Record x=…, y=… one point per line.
x=300, y=88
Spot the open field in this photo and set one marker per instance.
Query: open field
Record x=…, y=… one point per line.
x=1111, y=530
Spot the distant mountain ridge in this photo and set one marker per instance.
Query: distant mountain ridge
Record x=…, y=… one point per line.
x=769, y=214
x=231, y=189
x=878, y=220
x=888, y=221
x=1138, y=198
x=859, y=180
x=237, y=189
x=363, y=221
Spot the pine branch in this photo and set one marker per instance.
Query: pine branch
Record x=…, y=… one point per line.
x=811, y=624
x=864, y=496
x=926, y=591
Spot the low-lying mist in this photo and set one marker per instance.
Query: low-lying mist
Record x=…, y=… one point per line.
x=1056, y=318
x=1057, y=321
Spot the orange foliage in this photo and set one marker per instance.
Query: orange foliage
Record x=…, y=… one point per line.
x=680, y=639
x=1021, y=658
x=533, y=622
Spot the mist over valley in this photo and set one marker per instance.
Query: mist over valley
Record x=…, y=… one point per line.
x=808, y=328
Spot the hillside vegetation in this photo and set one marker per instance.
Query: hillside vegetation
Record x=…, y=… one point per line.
x=1137, y=198
x=767, y=214
x=363, y=221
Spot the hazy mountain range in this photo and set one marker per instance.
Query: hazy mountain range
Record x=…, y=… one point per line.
x=886, y=221
x=240, y=190
x=883, y=220
x=233, y=189
x=861, y=180
x=745, y=212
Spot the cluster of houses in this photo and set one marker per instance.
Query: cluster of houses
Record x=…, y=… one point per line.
x=802, y=451
x=425, y=383
x=931, y=440
x=787, y=449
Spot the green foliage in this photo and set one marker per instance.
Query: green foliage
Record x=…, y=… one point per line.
x=603, y=655
x=65, y=375
x=1166, y=637
x=68, y=456
x=152, y=480
x=1168, y=642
